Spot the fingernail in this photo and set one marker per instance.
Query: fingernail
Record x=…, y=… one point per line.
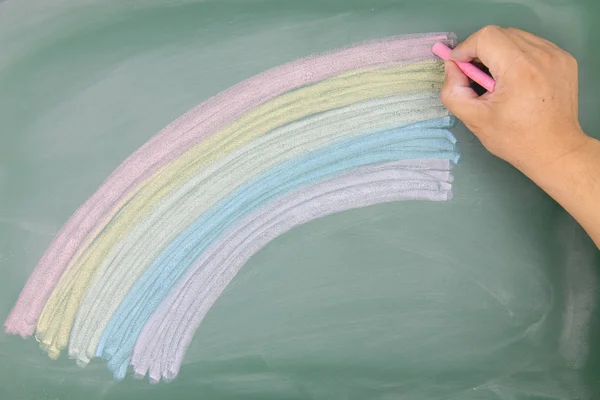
x=455, y=55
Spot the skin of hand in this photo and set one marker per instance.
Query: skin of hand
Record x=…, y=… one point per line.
x=531, y=119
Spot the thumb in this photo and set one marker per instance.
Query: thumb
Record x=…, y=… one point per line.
x=457, y=95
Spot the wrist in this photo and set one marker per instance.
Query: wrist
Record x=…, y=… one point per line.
x=574, y=182
x=565, y=146
x=572, y=172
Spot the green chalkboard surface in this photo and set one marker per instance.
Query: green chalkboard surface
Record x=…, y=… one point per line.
x=493, y=295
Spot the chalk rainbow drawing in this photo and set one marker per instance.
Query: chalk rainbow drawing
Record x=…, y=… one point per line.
x=133, y=272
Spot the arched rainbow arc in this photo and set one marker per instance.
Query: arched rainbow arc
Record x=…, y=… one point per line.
x=359, y=126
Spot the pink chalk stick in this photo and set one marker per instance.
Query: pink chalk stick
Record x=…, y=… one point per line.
x=486, y=81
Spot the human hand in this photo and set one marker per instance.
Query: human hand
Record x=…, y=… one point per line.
x=531, y=119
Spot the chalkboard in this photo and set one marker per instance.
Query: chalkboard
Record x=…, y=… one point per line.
x=493, y=295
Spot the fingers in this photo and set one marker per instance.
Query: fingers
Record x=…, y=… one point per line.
x=457, y=95
x=492, y=45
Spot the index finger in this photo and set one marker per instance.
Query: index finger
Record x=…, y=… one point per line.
x=492, y=46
